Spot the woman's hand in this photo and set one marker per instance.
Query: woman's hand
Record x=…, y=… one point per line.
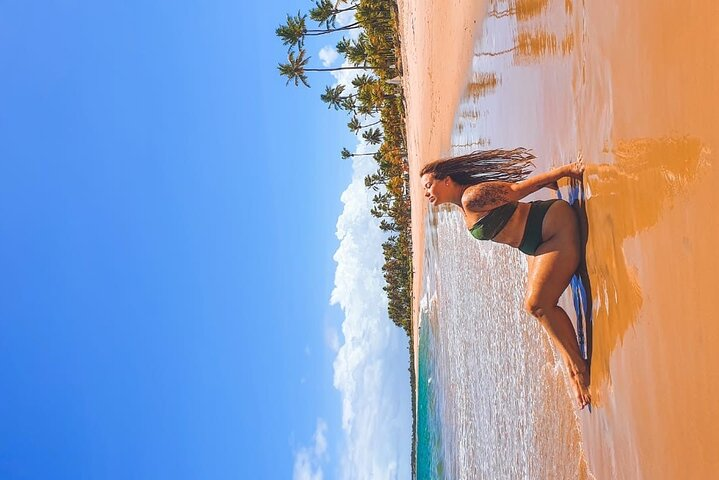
x=576, y=169
x=548, y=179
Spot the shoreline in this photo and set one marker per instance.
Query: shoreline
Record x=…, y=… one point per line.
x=651, y=262
x=436, y=63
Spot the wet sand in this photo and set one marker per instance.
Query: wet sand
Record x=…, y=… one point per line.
x=651, y=252
x=646, y=119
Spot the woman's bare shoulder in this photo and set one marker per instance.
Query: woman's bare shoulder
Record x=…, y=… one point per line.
x=482, y=197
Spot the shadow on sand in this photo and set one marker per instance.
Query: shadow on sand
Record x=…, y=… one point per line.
x=618, y=201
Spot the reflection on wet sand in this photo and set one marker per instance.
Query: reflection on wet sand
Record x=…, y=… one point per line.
x=481, y=84
x=532, y=45
x=532, y=40
x=523, y=9
x=535, y=44
x=625, y=198
x=645, y=69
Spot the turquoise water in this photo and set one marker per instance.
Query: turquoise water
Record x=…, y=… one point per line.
x=429, y=427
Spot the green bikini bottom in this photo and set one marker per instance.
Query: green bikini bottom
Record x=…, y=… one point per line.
x=533, y=230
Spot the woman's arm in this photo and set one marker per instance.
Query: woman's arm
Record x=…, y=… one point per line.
x=547, y=179
x=489, y=195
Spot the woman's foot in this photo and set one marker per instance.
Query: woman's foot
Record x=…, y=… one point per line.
x=580, y=384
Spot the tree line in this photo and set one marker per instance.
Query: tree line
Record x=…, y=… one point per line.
x=374, y=105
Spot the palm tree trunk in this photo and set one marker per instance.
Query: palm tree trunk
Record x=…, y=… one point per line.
x=337, y=68
x=313, y=33
x=371, y=124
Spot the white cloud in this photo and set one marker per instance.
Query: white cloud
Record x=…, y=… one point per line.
x=332, y=339
x=304, y=469
x=320, y=439
x=345, y=77
x=309, y=460
x=370, y=369
x=328, y=55
x=345, y=18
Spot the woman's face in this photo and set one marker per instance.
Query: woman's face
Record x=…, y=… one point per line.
x=436, y=190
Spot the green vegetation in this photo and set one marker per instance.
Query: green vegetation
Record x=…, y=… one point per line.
x=374, y=100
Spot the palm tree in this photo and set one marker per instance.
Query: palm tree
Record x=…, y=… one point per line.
x=374, y=180
x=351, y=26
x=355, y=126
x=386, y=226
x=357, y=51
x=362, y=80
x=343, y=45
x=369, y=98
x=295, y=69
x=347, y=154
x=382, y=198
x=293, y=32
x=333, y=97
x=366, y=109
x=368, y=14
x=349, y=103
x=380, y=212
x=373, y=136
x=326, y=12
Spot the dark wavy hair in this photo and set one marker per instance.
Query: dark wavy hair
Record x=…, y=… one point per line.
x=483, y=166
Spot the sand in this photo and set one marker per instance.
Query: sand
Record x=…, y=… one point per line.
x=652, y=245
x=653, y=227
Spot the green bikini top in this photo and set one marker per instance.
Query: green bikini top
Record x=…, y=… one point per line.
x=491, y=224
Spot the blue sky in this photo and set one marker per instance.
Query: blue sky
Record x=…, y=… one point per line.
x=168, y=217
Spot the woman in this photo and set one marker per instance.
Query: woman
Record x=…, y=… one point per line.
x=487, y=186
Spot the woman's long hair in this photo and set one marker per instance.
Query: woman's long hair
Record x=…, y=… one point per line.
x=483, y=166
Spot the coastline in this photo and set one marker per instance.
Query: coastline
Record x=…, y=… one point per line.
x=648, y=107
x=438, y=39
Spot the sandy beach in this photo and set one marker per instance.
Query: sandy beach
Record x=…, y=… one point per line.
x=646, y=120
x=655, y=369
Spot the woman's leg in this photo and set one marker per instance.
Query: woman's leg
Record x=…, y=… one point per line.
x=552, y=268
